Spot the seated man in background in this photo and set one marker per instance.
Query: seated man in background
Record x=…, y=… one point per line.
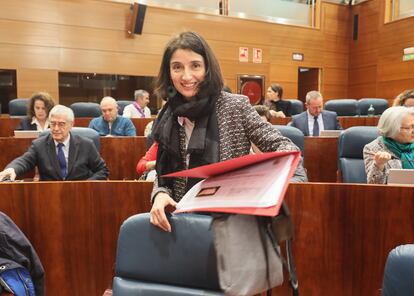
x=110, y=124
x=312, y=121
x=60, y=155
x=139, y=108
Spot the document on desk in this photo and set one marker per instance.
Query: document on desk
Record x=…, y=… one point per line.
x=253, y=184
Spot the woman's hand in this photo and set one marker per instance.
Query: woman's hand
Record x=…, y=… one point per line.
x=150, y=165
x=279, y=114
x=381, y=158
x=157, y=213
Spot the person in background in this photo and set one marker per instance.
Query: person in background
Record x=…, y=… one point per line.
x=406, y=99
x=394, y=148
x=21, y=272
x=277, y=106
x=110, y=124
x=60, y=155
x=312, y=121
x=139, y=108
x=146, y=165
x=201, y=124
x=38, y=110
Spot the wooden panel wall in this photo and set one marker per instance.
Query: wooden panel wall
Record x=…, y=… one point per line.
x=90, y=36
x=376, y=68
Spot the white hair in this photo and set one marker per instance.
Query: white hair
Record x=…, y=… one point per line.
x=109, y=100
x=389, y=123
x=312, y=95
x=60, y=110
x=140, y=93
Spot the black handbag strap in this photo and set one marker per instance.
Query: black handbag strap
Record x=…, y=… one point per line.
x=288, y=263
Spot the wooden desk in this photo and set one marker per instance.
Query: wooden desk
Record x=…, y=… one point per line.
x=8, y=125
x=321, y=158
x=121, y=154
x=343, y=232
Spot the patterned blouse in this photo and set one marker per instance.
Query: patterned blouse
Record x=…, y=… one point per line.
x=239, y=125
x=374, y=175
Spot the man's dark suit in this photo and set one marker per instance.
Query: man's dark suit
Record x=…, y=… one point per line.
x=84, y=161
x=330, y=121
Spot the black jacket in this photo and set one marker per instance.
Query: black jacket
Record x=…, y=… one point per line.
x=16, y=251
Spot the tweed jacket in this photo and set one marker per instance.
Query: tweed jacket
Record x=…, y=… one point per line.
x=239, y=125
x=374, y=175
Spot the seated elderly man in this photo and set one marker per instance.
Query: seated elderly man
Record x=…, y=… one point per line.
x=314, y=120
x=60, y=155
x=110, y=124
x=139, y=108
x=394, y=149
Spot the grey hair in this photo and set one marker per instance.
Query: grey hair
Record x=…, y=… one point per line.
x=313, y=94
x=389, y=123
x=110, y=100
x=140, y=93
x=60, y=110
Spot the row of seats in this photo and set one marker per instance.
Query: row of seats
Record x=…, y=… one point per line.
x=343, y=107
x=143, y=265
x=352, y=107
x=18, y=108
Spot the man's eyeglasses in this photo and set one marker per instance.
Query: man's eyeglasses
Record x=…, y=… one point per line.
x=59, y=124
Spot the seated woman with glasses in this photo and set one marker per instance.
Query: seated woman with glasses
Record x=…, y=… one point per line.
x=394, y=148
x=38, y=110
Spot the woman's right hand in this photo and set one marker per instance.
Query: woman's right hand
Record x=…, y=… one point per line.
x=157, y=213
x=381, y=158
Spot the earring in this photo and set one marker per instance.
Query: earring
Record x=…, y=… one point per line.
x=171, y=91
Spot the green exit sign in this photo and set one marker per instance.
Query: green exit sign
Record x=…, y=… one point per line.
x=408, y=57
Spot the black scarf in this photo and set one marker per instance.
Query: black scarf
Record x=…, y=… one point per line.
x=203, y=146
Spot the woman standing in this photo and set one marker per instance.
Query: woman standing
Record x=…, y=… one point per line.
x=200, y=124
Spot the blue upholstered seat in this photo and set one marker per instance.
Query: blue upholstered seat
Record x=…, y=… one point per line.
x=297, y=106
x=343, y=107
x=399, y=272
x=18, y=107
x=379, y=105
x=153, y=262
x=122, y=104
x=86, y=109
x=350, y=152
x=293, y=134
x=83, y=132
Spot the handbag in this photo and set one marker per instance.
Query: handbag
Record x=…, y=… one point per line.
x=248, y=253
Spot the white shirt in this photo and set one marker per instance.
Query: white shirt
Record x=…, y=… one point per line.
x=311, y=120
x=131, y=112
x=65, y=149
x=39, y=127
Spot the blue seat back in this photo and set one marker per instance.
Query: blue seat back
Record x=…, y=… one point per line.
x=150, y=261
x=399, y=272
x=18, y=107
x=350, y=152
x=294, y=134
x=343, y=107
x=297, y=106
x=379, y=105
x=86, y=109
x=85, y=132
x=122, y=104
